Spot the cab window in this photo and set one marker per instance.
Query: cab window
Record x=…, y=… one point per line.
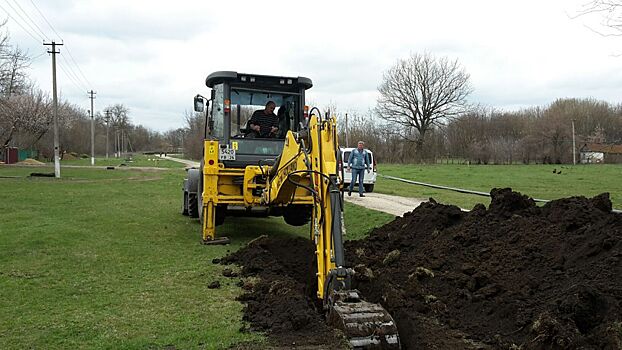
x=245, y=102
x=218, y=111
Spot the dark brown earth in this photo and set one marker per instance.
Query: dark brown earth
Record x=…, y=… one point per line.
x=513, y=276
x=282, y=301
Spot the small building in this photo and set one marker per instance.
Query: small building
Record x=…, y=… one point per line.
x=9, y=155
x=594, y=153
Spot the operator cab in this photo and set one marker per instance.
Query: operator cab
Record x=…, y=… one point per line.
x=234, y=99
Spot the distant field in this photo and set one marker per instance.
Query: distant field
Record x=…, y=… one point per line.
x=102, y=259
x=537, y=181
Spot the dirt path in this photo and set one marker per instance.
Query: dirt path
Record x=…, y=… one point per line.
x=395, y=205
x=190, y=163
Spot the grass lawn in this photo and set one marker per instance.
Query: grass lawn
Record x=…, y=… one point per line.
x=103, y=259
x=537, y=181
x=136, y=160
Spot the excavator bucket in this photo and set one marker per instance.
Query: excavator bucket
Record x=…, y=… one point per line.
x=366, y=325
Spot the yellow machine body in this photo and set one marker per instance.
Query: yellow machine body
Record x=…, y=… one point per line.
x=302, y=183
x=279, y=188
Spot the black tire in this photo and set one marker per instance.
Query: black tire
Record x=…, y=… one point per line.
x=193, y=205
x=369, y=188
x=200, y=194
x=297, y=215
x=184, y=204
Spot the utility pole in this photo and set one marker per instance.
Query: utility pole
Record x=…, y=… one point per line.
x=574, y=146
x=56, y=142
x=107, y=129
x=347, y=130
x=92, y=127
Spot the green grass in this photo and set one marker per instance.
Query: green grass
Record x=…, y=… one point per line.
x=137, y=160
x=103, y=259
x=359, y=220
x=537, y=181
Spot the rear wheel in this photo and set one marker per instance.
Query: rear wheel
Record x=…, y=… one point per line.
x=193, y=205
x=369, y=188
x=184, y=204
x=199, y=194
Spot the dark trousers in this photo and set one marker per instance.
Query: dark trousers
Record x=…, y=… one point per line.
x=361, y=174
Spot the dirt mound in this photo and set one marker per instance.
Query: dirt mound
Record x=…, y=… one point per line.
x=513, y=275
x=282, y=302
x=30, y=161
x=510, y=275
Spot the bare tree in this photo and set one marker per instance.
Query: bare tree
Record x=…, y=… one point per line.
x=194, y=132
x=119, y=119
x=420, y=92
x=610, y=12
x=28, y=115
x=13, y=76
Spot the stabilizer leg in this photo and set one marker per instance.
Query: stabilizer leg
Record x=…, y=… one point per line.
x=209, y=226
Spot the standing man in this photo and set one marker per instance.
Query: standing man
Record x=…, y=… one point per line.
x=358, y=162
x=264, y=122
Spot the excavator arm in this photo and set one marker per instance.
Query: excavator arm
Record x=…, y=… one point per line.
x=309, y=164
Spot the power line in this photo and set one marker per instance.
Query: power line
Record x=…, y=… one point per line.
x=71, y=78
x=74, y=78
x=66, y=48
x=18, y=23
x=25, y=29
x=37, y=57
x=72, y=71
x=28, y=23
x=45, y=19
x=31, y=20
x=78, y=66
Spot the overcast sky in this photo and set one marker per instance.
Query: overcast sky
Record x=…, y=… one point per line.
x=153, y=56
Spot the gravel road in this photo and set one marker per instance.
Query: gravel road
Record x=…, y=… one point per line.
x=190, y=163
x=395, y=205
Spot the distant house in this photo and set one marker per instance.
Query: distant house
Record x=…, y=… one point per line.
x=600, y=153
x=9, y=155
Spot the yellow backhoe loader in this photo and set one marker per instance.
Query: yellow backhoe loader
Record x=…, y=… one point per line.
x=292, y=173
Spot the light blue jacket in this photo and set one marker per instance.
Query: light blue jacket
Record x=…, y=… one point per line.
x=358, y=160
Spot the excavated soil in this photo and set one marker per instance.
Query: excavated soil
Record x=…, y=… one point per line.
x=282, y=300
x=510, y=276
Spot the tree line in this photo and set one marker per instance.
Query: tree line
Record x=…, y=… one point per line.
x=26, y=116
x=535, y=135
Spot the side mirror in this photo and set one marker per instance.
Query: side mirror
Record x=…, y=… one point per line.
x=198, y=104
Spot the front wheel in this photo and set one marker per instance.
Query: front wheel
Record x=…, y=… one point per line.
x=369, y=188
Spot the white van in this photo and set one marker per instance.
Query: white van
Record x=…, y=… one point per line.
x=370, y=178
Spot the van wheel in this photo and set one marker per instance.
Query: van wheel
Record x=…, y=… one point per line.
x=369, y=188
